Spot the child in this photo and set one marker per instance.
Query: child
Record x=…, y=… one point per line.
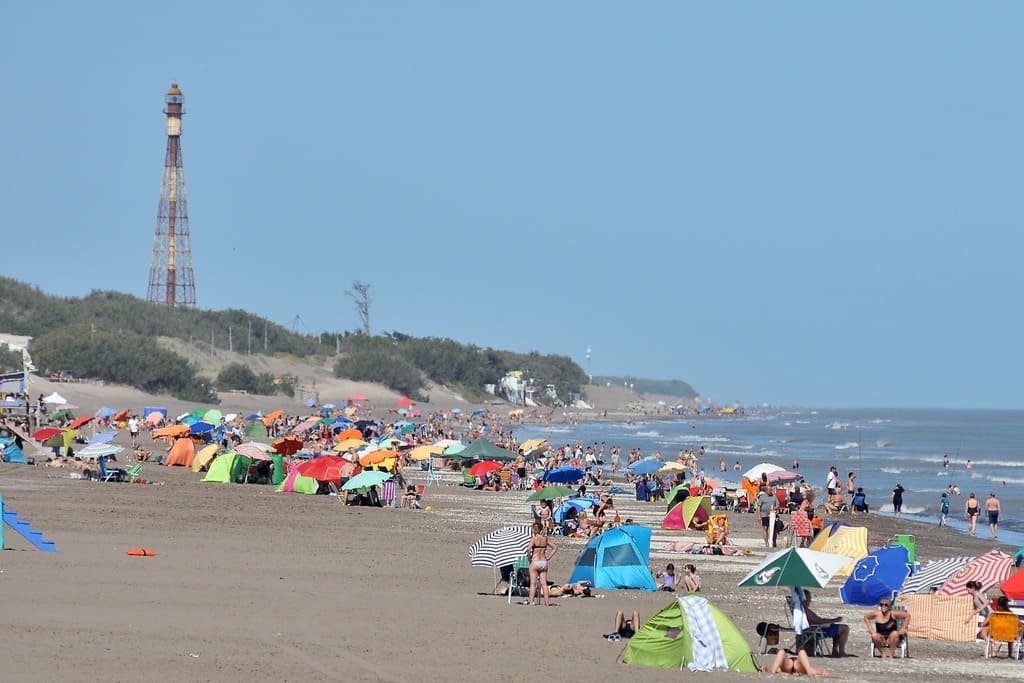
x=691, y=579
x=668, y=578
x=943, y=509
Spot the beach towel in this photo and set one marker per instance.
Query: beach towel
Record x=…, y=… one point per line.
x=800, y=623
x=708, y=652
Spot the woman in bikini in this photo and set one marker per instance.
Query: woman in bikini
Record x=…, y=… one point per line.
x=883, y=628
x=971, y=510
x=539, y=556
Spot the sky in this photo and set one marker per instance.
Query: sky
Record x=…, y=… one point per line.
x=808, y=204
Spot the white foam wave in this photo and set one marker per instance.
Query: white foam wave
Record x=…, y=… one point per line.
x=914, y=510
x=838, y=425
x=892, y=470
x=885, y=444
x=651, y=434
x=847, y=445
x=1005, y=480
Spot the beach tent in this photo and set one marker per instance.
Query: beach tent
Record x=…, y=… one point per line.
x=684, y=515
x=617, y=559
x=229, y=467
x=255, y=429
x=182, y=453
x=296, y=483
x=844, y=540
x=11, y=452
x=482, y=449
x=690, y=632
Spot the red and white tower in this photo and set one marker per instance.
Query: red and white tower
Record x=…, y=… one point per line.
x=170, y=271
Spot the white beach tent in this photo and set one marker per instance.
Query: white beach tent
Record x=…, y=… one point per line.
x=55, y=398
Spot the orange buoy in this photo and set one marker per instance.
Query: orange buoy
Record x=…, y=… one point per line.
x=141, y=552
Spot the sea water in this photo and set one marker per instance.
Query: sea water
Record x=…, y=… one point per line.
x=884, y=447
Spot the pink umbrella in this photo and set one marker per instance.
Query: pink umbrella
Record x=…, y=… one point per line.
x=304, y=427
x=989, y=570
x=783, y=477
x=252, y=450
x=153, y=419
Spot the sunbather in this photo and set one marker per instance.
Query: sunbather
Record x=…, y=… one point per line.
x=798, y=665
x=704, y=548
x=580, y=589
x=623, y=628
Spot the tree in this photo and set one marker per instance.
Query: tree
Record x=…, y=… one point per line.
x=360, y=294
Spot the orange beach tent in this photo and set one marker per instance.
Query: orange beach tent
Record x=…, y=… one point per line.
x=182, y=453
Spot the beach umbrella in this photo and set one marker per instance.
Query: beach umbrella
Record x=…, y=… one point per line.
x=78, y=422
x=288, y=445
x=990, y=569
x=99, y=450
x=153, y=419
x=55, y=399
x=325, y=467
x=405, y=402
x=271, y=416
x=531, y=445
x=851, y=541
x=755, y=472
x=170, y=432
x=425, y=451
x=796, y=567
x=550, y=493
x=328, y=406
x=671, y=466
x=254, y=450
x=46, y=433
x=121, y=415
x=103, y=437
x=783, y=477
x=105, y=412
x=376, y=457
x=455, y=448
x=445, y=443
x=1013, y=587
x=577, y=504
x=358, y=397
x=501, y=547
x=879, y=575
x=304, y=427
x=213, y=416
x=350, y=443
x=564, y=475
x=350, y=433
x=646, y=466
x=934, y=574
x=671, y=498
x=201, y=428
x=365, y=480
x=480, y=469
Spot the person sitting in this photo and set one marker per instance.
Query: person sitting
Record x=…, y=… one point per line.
x=830, y=628
x=141, y=454
x=718, y=531
x=623, y=628
x=836, y=503
x=860, y=501
x=884, y=627
x=667, y=578
x=800, y=665
x=410, y=499
x=691, y=579
x=596, y=525
x=1002, y=606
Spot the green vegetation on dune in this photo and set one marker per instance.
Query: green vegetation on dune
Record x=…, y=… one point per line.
x=672, y=387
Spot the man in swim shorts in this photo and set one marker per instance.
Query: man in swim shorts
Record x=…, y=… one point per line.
x=992, y=507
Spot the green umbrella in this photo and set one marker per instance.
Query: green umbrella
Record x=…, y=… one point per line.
x=454, y=449
x=366, y=479
x=212, y=416
x=796, y=567
x=551, y=492
x=671, y=497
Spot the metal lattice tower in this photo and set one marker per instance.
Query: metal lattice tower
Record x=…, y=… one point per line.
x=170, y=272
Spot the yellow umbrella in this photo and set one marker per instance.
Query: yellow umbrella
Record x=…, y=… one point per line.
x=515, y=411
x=426, y=451
x=531, y=445
x=204, y=456
x=350, y=443
x=671, y=466
x=845, y=540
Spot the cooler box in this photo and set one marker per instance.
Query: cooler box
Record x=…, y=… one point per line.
x=907, y=541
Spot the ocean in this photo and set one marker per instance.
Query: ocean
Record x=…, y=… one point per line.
x=884, y=447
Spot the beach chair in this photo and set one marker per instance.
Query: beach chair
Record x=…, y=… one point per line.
x=506, y=479
x=519, y=582
x=1003, y=627
x=812, y=639
x=132, y=473
x=112, y=474
x=903, y=646
x=433, y=477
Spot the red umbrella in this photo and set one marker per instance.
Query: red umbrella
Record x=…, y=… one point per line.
x=46, y=433
x=990, y=569
x=405, y=402
x=288, y=445
x=481, y=468
x=81, y=421
x=327, y=468
x=358, y=397
x=1014, y=586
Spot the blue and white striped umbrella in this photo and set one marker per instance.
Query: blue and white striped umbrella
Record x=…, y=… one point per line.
x=501, y=547
x=934, y=574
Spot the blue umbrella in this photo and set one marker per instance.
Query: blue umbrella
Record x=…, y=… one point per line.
x=879, y=575
x=564, y=475
x=309, y=403
x=105, y=412
x=646, y=466
x=200, y=428
x=578, y=504
x=103, y=437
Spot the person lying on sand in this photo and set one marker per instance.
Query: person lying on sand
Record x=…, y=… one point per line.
x=798, y=665
x=704, y=548
x=580, y=589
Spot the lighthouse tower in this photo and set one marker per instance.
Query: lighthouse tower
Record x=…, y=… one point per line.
x=170, y=271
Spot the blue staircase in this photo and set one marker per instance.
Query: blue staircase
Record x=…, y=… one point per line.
x=23, y=528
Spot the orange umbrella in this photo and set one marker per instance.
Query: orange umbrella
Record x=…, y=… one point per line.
x=123, y=415
x=80, y=421
x=377, y=457
x=170, y=432
x=288, y=445
x=405, y=402
x=270, y=417
x=350, y=433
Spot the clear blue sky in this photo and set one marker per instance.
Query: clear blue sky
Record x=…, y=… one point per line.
x=808, y=203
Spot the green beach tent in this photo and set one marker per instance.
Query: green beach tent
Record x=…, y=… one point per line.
x=482, y=449
x=690, y=632
x=683, y=515
x=255, y=429
x=229, y=467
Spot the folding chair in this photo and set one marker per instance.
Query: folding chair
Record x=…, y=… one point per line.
x=903, y=645
x=432, y=476
x=812, y=639
x=520, y=576
x=1003, y=627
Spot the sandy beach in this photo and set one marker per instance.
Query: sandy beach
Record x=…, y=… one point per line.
x=249, y=584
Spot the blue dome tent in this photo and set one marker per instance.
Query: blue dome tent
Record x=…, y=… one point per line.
x=617, y=558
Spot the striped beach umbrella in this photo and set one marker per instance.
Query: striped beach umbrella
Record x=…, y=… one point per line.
x=501, y=547
x=934, y=574
x=990, y=569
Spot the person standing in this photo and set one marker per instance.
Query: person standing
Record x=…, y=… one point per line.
x=971, y=511
x=851, y=484
x=897, y=500
x=993, y=508
x=540, y=544
x=945, y=461
x=832, y=481
x=765, y=502
x=943, y=509
x=133, y=429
